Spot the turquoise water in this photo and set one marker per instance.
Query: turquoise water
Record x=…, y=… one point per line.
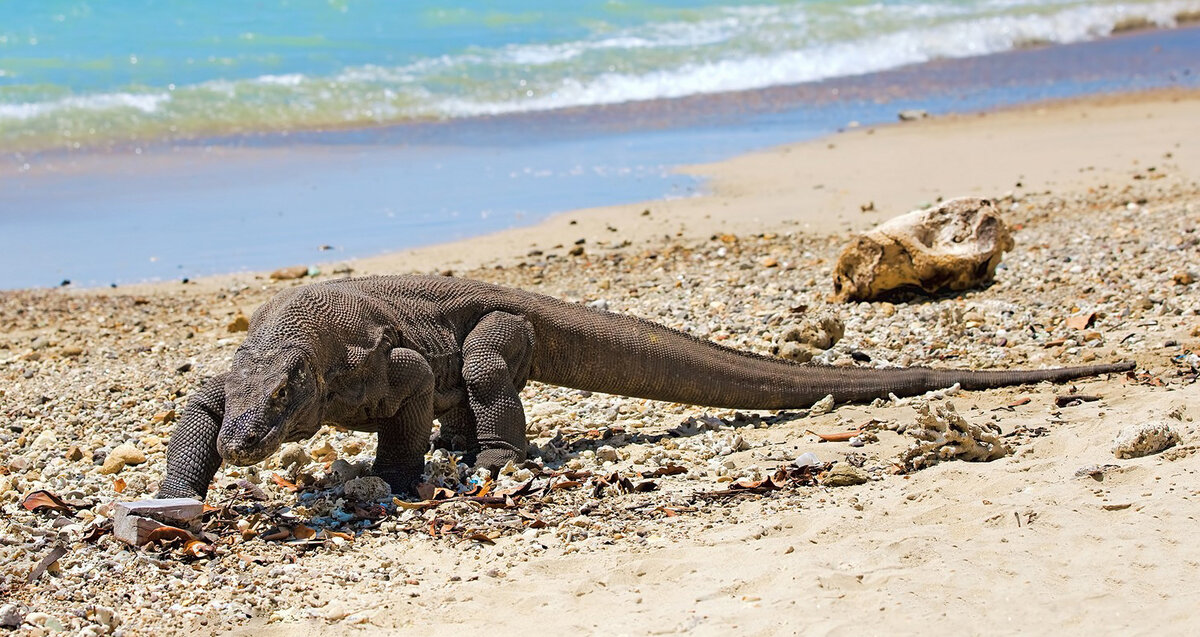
x=77, y=74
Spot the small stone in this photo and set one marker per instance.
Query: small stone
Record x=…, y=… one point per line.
x=164, y=417
x=1144, y=439
x=239, y=323
x=843, y=476
x=75, y=454
x=341, y=472
x=367, y=489
x=324, y=453
x=912, y=114
x=607, y=453
x=808, y=338
x=293, y=455
x=1184, y=278
x=1081, y=321
x=44, y=440
x=71, y=351
x=822, y=407
x=576, y=251
x=119, y=458
x=105, y=617
x=353, y=447
x=12, y=615
x=293, y=272
x=770, y=262
x=45, y=621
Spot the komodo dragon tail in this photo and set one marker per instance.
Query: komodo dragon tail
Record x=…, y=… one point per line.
x=617, y=354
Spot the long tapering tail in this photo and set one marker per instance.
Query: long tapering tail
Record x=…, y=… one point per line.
x=600, y=351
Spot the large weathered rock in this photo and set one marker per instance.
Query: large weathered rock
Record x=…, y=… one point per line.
x=953, y=246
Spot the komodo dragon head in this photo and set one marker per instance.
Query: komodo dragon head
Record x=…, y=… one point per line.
x=271, y=396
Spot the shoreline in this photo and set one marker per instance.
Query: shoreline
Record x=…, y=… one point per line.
x=118, y=219
x=825, y=195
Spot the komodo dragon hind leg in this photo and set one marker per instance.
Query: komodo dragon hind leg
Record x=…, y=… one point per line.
x=496, y=360
x=404, y=437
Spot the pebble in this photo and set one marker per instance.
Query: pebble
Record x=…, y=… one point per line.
x=289, y=273
x=124, y=455
x=1144, y=439
x=12, y=615
x=239, y=323
x=367, y=489
x=822, y=407
x=842, y=475
x=323, y=453
x=353, y=447
x=293, y=456
x=607, y=453
x=341, y=471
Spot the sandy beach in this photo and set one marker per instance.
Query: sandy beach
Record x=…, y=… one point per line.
x=1057, y=536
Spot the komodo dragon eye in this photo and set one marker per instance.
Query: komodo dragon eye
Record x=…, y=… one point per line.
x=281, y=394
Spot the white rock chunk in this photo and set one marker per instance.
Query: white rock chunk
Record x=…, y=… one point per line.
x=953, y=246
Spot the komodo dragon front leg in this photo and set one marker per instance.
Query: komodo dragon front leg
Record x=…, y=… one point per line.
x=497, y=354
x=192, y=457
x=404, y=437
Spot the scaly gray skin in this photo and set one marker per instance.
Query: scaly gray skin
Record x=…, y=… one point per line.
x=392, y=354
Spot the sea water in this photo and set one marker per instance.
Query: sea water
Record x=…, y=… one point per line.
x=77, y=73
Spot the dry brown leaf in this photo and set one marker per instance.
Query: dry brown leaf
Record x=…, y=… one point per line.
x=285, y=483
x=119, y=485
x=523, y=489
x=277, y=534
x=427, y=491
x=665, y=470
x=1081, y=321
x=412, y=505
x=39, y=500
x=302, y=532
x=480, y=537
x=166, y=533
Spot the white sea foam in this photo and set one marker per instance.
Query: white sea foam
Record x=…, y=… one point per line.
x=144, y=102
x=946, y=40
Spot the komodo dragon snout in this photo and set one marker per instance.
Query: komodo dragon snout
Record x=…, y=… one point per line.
x=270, y=396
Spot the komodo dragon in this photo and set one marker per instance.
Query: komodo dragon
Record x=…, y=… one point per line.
x=391, y=354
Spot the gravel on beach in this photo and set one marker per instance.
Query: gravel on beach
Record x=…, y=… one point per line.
x=93, y=381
